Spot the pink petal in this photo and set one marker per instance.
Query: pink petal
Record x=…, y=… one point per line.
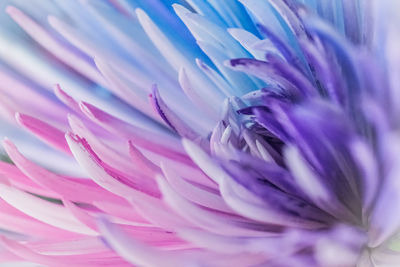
x=202, y=103
x=77, y=246
x=133, y=94
x=214, y=222
x=44, y=38
x=44, y=131
x=136, y=252
x=14, y=220
x=159, y=214
x=195, y=194
x=29, y=99
x=66, y=99
x=43, y=210
x=104, y=176
x=121, y=211
x=64, y=187
x=20, y=181
x=110, y=155
x=168, y=147
x=171, y=118
x=90, y=260
x=142, y=162
x=80, y=214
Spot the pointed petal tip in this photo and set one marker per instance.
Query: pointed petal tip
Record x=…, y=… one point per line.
x=229, y=63
x=71, y=138
x=12, y=11
x=154, y=89
x=88, y=109
x=234, y=32
x=182, y=72
x=24, y=119
x=99, y=62
x=57, y=88
x=19, y=117
x=179, y=9
x=71, y=118
x=141, y=14
x=53, y=21
x=199, y=62
x=59, y=92
x=162, y=184
x=7, y=144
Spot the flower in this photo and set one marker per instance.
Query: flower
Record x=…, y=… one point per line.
x=200, y=133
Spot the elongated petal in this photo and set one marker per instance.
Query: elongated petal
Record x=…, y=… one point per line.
x=64, y=187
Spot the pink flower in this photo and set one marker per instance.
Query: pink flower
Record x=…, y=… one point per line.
x=206, y=133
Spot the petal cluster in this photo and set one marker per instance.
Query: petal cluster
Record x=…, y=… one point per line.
x=200, y=133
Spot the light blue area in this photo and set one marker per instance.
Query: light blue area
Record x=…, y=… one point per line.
x=163, y=16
